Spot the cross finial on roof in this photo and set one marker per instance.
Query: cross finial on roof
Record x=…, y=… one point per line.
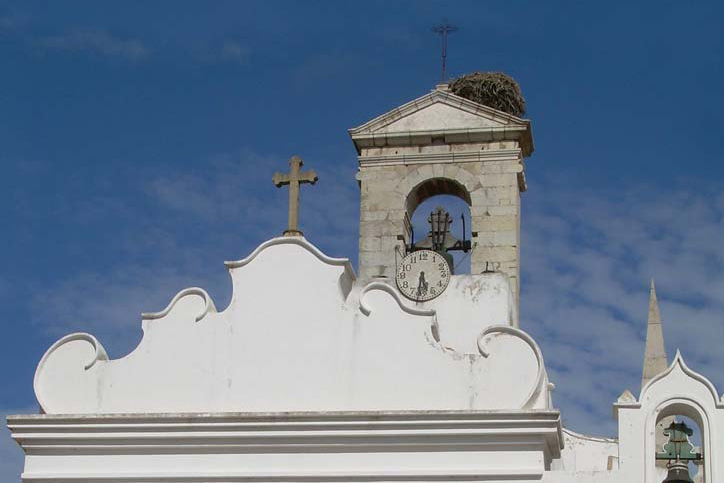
x=294, y=179
x=443, y=29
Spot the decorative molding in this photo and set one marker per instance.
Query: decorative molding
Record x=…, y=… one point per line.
x=586, y=437
x=707, y=422
x=468, y=135
x=510, y=330
x=627, y=397
x=327, y=477
x=294, y=240
x=429, y=99
x=99, y=354
x=386, y=287
x=679, y=362
x=366, y=135
x=439, y=158
x=362, y=436
x=182, y=365
x=208, y=304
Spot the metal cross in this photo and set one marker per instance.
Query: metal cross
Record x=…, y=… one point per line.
x=443, y=29
x=294, y=179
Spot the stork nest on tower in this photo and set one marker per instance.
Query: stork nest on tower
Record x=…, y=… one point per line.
x=492, y=89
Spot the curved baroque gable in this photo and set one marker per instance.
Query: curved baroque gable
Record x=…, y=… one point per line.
x=300, y=334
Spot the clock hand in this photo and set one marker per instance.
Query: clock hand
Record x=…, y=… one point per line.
x=422, y=284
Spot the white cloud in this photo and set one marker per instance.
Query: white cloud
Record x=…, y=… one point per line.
x=226, y=190
x=97, y=43
x=229, y=51
x=102, y=43
x=109, y=303
x=233, y=51
x=587, y=258
x=188, y=220
x=236, y=189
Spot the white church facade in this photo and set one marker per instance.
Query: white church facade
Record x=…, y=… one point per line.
x=402, y=371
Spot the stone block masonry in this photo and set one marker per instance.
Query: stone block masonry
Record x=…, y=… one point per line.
x=494, y=199
x=442, y=144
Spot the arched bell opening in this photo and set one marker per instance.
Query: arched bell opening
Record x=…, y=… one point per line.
x=434, y=204
x=680, y=435
x=434, y=187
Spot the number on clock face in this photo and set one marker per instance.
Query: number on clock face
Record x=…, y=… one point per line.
x=422, y=275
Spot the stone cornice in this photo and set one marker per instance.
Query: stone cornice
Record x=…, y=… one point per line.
x=206, y=436
x=495, y=474
x=433, y=97
x=197, y=432
x=450, y=136
x=447, y=157
x=513, y=128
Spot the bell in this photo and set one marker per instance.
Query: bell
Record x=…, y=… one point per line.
x=678, y=473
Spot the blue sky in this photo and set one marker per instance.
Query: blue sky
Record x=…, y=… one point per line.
x=138, y=144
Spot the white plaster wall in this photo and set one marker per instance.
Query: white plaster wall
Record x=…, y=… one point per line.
x=301, y=335
x=587, y=454
x=470, y=304
x=313, y=447
x=678, y=390
x=334, y=345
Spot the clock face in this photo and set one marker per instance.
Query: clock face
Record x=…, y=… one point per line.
x=422, y=275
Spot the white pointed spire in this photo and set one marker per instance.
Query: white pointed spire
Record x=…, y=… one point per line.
x=655, y=356
x=655, y=362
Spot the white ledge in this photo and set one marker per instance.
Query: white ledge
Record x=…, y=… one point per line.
x=496, y=155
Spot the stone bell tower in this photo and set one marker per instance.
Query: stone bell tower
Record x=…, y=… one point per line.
x=441, y=143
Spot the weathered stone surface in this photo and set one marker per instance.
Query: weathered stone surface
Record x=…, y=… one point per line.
x=379, y=228
x=370, y=244
x=503, y=210
x=295, y=178
x=395, y=178
x=655, y=361
x=450, y=171
x=506, y=238
x=503, y=179
x=369, y=215
x=495, y=223
x=496, y=254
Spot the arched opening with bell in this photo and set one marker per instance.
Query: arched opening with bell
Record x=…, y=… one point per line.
x=680, y=453
x=438, y=219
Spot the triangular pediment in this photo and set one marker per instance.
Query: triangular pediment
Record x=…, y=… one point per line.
x=442, y=114
x=437, y=111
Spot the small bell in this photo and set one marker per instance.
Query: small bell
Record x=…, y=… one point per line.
x=679, y=452
x=678, y=473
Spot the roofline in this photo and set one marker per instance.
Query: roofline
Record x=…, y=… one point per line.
x=522, y=134
x=515, y=128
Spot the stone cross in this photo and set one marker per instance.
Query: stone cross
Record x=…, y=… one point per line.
x=294, y=179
